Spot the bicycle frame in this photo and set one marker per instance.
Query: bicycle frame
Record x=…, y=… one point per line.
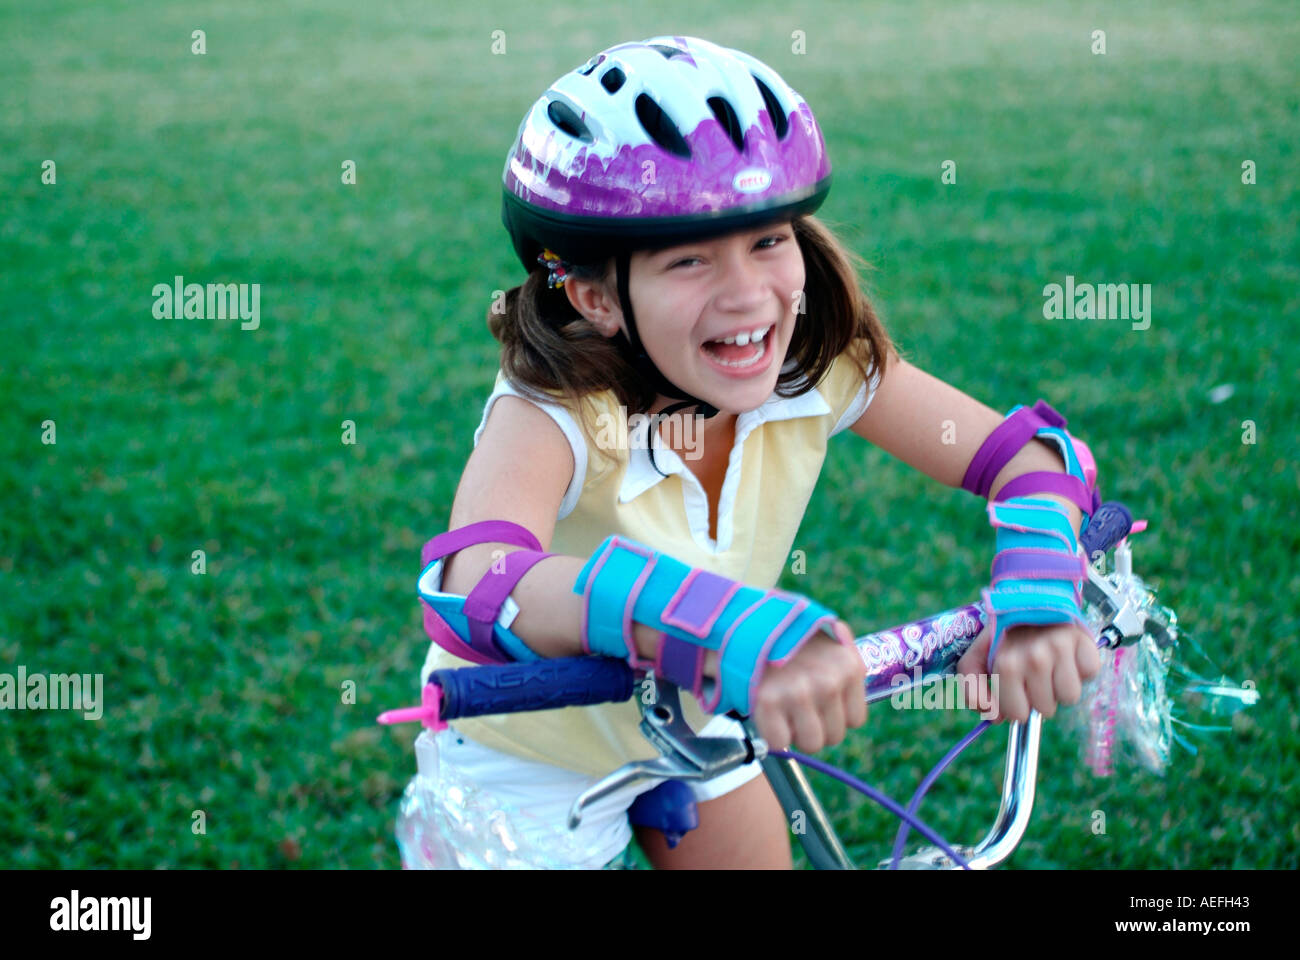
x=825, y=851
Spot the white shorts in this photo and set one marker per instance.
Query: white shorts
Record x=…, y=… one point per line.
x=547, y=792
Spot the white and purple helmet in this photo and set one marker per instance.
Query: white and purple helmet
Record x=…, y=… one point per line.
x=657, y=143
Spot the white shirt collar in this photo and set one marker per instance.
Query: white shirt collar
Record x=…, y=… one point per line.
x=641, y=474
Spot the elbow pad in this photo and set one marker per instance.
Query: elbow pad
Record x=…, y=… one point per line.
x=1022, y=424
x=476, y=628
x=695, y=610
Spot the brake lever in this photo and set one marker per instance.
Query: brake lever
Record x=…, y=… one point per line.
x=683, y=754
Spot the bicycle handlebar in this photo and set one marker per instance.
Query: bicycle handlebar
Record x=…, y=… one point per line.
x=919, y=651
x=541, y=685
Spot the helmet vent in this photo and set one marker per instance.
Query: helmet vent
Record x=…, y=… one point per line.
x=730, y=122
x=660, y=127
x=668, y=51
x=562, y=116
x=612, y=80
x=780, y=122
x=591, y=65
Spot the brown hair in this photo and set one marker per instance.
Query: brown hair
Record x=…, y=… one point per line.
x=551, y=353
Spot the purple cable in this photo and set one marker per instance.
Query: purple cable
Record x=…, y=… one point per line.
x=914, y=804
x=875, y=795
x=949, y=757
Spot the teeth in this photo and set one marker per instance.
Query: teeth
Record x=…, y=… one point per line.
x=758, y=355
x=742, y=339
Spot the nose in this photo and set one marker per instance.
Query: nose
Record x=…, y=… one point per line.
x=743, y=284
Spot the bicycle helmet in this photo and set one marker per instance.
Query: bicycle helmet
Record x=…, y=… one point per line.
x=654, y=144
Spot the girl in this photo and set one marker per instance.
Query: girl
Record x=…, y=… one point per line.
x=661, y=197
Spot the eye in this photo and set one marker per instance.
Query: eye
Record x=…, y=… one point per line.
x=762, y=244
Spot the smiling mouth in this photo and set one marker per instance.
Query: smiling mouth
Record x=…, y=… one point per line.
x=740, y=351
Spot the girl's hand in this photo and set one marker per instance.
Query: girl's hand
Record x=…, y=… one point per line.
x=1037, y=667
x=814, y=699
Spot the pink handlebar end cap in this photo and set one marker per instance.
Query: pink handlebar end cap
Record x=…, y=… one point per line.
x=426, y=713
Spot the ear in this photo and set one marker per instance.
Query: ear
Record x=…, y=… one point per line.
x=594, y=302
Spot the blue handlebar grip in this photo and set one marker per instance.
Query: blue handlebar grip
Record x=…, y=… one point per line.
x=1108, y=526
x=541, y=685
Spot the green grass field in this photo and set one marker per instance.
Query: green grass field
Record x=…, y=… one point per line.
x=223, y=691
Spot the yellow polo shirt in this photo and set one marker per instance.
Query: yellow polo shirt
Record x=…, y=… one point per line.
x=774, y=464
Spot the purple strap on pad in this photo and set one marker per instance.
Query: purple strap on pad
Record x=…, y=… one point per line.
x=1003, y=444
x=679, y=662
x=484, y=603
x=698, y=602
x=1035, y=564
x=1060, y=484
x=485, y=531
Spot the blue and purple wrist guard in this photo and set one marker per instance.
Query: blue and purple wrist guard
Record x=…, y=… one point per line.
x=1038, y=571
x=695, y=610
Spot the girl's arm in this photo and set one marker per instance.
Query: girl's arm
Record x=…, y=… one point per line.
x=810, y=702
x=937, y=429
x=519, y=472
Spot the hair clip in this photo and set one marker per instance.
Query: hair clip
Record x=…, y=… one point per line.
x=559, y=270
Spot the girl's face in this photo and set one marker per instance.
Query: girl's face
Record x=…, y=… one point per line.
x=745, y=285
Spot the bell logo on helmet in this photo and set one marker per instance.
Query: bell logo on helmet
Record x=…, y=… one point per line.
x=752, y=180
